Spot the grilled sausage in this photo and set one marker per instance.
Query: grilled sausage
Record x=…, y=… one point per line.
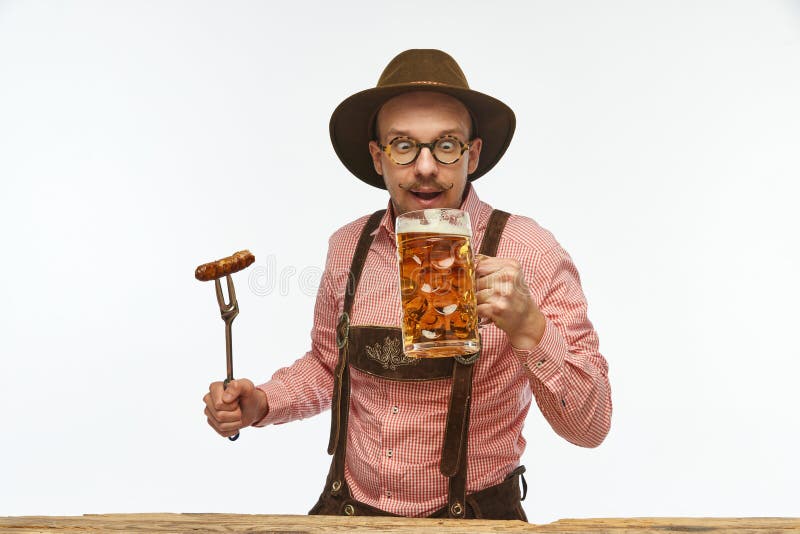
x=225, y=266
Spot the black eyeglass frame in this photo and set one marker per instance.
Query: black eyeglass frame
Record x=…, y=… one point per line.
x=387, y=149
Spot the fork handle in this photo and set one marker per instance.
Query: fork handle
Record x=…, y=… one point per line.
x=225, y=386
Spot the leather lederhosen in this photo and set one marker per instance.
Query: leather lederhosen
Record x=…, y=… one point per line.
x=377, y=351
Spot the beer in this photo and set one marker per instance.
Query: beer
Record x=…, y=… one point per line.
x=437, y=284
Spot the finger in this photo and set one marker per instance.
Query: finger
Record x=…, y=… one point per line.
x=213, y=399
x=226, y=430
x=485, y=312
x=488, y=265
x=230, y=433
x=232, y=427
x=214, y=393
x=484, y=295
x=212, y=422
x=507, y=282
x=211, y=419
x=223, y=416
x=484, y=282
x=232, y=392
x=223, y=427
x=498, y=268
x=217, y=403
x=497, y=309
x=500, y=279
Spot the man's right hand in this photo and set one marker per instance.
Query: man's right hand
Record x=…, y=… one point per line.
x=240, y=405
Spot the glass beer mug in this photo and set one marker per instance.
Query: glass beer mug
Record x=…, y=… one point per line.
x=437, y=283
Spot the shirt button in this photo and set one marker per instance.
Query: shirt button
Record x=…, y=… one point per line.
x=389, y=453
x=539, y=363
x=388, y=494
x=395, y=409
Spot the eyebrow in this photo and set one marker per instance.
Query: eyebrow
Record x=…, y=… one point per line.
x=393, y=132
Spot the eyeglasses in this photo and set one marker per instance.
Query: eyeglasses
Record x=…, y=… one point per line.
x=405, y=150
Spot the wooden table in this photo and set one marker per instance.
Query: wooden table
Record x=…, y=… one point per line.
x=325, y=524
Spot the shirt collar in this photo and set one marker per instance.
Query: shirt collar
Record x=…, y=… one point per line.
x=479, y=213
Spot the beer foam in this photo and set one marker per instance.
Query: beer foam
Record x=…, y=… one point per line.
x=432, y=224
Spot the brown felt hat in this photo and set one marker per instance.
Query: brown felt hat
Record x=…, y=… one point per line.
x=352, y=123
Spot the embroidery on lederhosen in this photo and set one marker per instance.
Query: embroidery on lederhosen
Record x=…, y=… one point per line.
x=390, y=354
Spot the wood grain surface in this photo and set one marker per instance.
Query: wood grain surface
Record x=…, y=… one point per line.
x=326, y=524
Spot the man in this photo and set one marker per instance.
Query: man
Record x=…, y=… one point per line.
x=436, y=437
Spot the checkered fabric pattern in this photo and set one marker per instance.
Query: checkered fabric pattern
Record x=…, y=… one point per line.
x=396, y=429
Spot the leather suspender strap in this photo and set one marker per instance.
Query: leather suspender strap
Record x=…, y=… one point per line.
x=341, y=378
x=359, y=257
x=454, y=449
x=494, y=229
x=455, y=427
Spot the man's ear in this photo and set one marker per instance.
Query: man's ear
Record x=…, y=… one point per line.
x=474, y=154
x=375, y=151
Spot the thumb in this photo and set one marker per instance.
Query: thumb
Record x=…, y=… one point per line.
x=236, y=389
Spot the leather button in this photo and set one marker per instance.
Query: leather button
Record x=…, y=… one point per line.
x=456, y=509
x=349, y=510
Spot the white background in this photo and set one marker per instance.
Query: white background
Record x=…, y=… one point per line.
x=657, y=140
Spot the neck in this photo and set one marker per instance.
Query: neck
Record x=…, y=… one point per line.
x=466, y=192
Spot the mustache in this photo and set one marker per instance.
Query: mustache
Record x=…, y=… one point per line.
x=441, y=186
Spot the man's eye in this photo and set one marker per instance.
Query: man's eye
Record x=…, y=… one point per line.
x=446, y=145
x=402, y=146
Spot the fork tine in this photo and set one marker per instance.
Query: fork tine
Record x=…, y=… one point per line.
x=231, y=291
x=220, y=297
x=218, y=289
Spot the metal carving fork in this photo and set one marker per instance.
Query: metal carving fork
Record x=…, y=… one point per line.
x=229, y=311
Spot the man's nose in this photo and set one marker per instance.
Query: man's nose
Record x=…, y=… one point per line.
x=426, y=164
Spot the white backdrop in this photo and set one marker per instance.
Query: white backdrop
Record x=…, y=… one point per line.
x=658, y=141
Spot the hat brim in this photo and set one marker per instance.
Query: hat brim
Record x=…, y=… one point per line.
x=351, y=126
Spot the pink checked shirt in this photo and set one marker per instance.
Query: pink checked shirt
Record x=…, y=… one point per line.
x=395, y=431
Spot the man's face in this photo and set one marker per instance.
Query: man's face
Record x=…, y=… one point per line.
x=425, y=183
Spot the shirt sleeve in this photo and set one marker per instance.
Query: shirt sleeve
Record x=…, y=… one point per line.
x=305, y=388
x=568, y=375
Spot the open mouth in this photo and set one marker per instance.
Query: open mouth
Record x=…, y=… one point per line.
x=429, y=195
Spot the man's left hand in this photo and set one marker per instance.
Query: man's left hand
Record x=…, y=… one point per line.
x=504, y=298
